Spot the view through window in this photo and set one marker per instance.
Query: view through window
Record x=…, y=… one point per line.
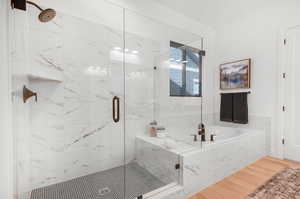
x=185, y=70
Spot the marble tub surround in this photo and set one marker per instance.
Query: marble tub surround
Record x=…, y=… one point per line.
x=220, y=160
x=160, y=162
x=255, y=122
x=168, y=143
x=206, y=164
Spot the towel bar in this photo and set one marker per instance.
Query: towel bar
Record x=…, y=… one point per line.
x=248, y=92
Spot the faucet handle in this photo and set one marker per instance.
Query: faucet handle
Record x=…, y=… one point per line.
x=212, y=137
x=195, y=137
x=160, y=128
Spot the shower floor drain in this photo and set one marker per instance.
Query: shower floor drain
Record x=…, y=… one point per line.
x=104, y=191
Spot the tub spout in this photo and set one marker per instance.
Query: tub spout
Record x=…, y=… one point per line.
x=195, y=137
x=201, y=131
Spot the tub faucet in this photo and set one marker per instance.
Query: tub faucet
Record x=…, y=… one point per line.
x=212, y=137
x=201, y=131
x=195, y=137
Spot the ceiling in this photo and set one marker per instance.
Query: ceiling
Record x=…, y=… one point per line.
x=203, y=11
x=216, y=12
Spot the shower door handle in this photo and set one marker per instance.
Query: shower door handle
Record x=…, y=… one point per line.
x=116, y=109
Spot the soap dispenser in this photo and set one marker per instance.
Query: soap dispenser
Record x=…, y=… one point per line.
x=152, y=129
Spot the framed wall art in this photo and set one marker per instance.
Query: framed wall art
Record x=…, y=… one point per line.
x=235, y=75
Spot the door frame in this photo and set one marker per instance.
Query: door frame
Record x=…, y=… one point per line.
x=279, y=140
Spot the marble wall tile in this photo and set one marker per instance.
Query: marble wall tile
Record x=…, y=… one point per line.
x=71, y=130
x=204, y=168
x=72, y=133
x=158, y=161
x=201, y=166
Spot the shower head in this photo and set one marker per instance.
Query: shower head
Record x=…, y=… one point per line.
x=45, y=15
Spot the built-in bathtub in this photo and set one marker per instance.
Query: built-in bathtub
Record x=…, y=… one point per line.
x=201, y=163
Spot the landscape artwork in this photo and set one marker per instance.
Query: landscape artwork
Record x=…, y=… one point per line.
x=235, y=75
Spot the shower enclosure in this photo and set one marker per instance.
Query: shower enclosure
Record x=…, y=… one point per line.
x=100, y=80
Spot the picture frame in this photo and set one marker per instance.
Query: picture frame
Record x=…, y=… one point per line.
x=235, y=75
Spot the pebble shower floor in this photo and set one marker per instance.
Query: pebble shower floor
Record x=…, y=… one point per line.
x=103, y=185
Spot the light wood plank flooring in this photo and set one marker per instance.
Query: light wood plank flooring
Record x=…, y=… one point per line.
x=245, y=181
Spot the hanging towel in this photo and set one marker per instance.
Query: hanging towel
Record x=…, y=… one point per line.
x=226, y=110
x=240, y=108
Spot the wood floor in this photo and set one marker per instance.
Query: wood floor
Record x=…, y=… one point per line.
x=245, y=181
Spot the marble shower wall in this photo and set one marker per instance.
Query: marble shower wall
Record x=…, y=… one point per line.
x=139, y=89
x=76, y=67
x=72, y=132
x=180, y=115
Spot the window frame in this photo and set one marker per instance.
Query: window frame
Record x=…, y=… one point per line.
x=184, y=72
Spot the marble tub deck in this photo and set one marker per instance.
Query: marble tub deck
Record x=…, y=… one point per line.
x=201, y=165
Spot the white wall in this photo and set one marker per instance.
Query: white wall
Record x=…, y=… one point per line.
x=246, y=29
x=250, y=29
x=6, y=139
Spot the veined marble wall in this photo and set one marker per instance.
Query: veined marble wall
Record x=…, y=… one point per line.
x=180, y=115
x=72, y=131
x=76, y=67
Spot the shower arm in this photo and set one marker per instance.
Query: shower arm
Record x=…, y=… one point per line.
x=35, y=5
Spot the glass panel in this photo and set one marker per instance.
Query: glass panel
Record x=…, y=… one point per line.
x=193, y=80
x=154, y=120
x=70, y=146
x=149, y=166
x=176, y=72
x=185, y=70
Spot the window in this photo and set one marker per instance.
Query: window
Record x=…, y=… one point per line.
x=185, y=70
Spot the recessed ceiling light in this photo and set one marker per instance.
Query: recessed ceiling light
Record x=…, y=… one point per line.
x=126, y=50
x=135, y=52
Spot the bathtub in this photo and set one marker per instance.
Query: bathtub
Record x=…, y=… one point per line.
x=202, y=163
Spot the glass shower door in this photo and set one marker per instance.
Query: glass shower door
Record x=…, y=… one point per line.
x=151, y=166
x=158, y=126
x=73, y=147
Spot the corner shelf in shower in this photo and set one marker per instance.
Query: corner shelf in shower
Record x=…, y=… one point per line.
x=45, y=77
